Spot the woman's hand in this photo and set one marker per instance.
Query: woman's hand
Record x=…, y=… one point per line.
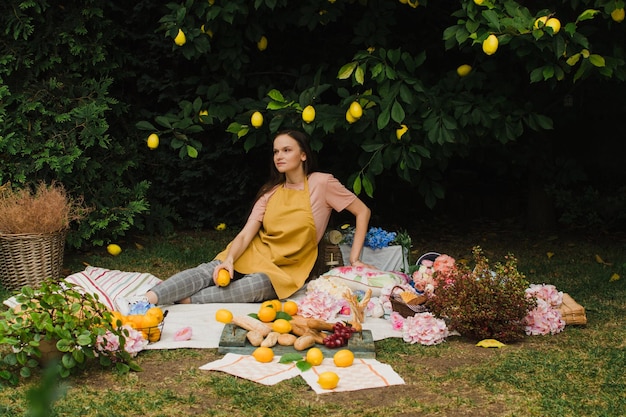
x=362, y=264
x=227, y=264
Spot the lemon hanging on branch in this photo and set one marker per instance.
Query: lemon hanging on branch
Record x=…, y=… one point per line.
x=618, y=15
x=180, y=38
x=490, y=45
x=356, y=111
x=262, y=44
x=463, y=70
x=308, y=114
x=153, y=141
x=401, y=131
x=256, y=119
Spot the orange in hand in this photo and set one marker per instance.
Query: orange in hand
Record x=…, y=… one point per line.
x=223, y=278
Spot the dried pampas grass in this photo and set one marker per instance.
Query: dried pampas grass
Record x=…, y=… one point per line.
x=46, y=209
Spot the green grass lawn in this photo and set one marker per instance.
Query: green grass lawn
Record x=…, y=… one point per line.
x=579, y=372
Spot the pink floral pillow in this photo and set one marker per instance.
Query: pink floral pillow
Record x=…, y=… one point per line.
x=362, y=278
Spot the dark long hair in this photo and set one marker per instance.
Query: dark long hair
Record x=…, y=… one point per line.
x=309, y=165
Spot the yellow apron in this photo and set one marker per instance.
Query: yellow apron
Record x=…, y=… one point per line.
x=286, y=246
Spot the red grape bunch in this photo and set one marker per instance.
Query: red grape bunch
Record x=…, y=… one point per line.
x=340, y=336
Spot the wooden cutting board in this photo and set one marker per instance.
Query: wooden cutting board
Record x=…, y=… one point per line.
x=233, y=340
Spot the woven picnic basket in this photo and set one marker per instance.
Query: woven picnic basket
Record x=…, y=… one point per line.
x=572, y=312
x=29, y=258
x=407, y=308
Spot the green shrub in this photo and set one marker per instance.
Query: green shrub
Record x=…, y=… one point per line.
x=483, y=302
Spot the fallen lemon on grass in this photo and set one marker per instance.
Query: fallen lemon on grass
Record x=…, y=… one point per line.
x=490, y=343
x=114, y=249
x=328, y=380
x=263, y=354
x=223, y=278
x=343, y=358
x=224, y=316
x=314, y=356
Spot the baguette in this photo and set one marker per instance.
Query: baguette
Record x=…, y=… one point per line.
x=250, y=324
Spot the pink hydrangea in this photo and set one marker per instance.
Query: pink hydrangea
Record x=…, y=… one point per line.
x=397, y=321
x=320, y=305
x=110, y=342
x=543, y=320
x=424, y=328
x=546, y=292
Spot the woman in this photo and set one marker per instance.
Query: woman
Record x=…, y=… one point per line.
x=274, y=253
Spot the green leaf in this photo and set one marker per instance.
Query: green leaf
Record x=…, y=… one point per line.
x=356, y=186
x=254, y=315
x=192, y=152
x=359, y=74
x=368, y=186
x=145, y=125
x=283, y=315
x=397, y=112
x=276, y=95
x=290, y=357
x=163, y=121
x=346, y=71
x=303, y=366
x=587, y=15
x=597, y=60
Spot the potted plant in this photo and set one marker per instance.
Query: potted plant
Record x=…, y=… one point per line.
x=33, y=227
x=77, y=326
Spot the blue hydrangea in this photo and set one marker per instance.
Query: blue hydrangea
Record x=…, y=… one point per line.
x=140, y=308
x=376, y=238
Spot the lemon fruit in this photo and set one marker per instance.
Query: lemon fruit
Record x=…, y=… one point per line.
x=223, y=278
x=153, y=335
x=349, y=117
x=224, y=316
x=401, y=131
x=275, y=304
x=263, y=354
x=290, y=307
x=555, y=24
x=114, y=249
x=314, y=356
x=540, y=22
x=463, y=70
x=478, y=2
x=308, y=114
x=256, y=119
x=180, y=38
x=262, y=44
x=281, y=326
x=328, y=380
x=343, y=358
x=153, y=141
x=617, y=15
x=490, y=45
x=356, y=111
x=267, y=314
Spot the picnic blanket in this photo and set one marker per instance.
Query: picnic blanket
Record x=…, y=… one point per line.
x=109, y=285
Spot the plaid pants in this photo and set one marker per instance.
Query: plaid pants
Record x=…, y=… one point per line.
x=198, y=284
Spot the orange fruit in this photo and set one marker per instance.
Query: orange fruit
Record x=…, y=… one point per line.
x=149, y=321
x=290, y=307
x=154, y=334
x=155, y=312
x=135, y=321
x=314, y=356
x=328, y=380
x=267, y=314
x=343, y=358
x=263, y=354
x=281, y=326
x=223, y=316
x=223, y=278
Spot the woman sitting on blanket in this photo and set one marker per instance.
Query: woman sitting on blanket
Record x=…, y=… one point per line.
x=274, y=253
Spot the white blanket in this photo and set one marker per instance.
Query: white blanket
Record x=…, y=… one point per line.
x=206, y=331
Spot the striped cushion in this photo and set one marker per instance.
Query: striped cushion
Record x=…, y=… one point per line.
x=110, y=284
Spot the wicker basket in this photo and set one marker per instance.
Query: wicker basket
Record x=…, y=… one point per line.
x=407, y=309
x=28, y=259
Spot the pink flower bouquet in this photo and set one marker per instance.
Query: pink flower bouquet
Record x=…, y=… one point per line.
x=424, y=328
